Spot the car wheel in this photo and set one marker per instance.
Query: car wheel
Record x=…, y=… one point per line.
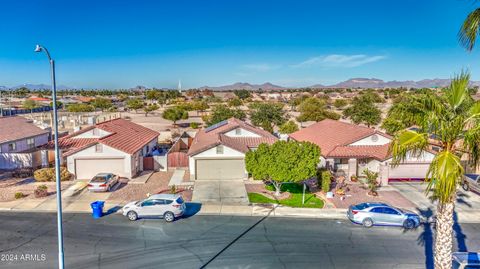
x=169, y=217
x=368, y=222
x=132, y=215
x=465, y=186
x=408, y=224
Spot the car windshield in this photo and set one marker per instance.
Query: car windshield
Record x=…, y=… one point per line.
x=98, y=179
x=179, y=200
x=361, y=206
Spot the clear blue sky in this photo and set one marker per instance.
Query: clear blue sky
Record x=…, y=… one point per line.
x=120, y=44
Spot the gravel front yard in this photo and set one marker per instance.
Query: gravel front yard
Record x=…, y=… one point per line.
x=357, y=194
x=158, y=183
x=10, y=186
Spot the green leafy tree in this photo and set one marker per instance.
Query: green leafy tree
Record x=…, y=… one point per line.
x=340, y=103
x=288, y=127
x=372, y=96
x=200, y=106
x=80, y=108
x=135, y=104
x=242, y=94
x=234, y=102
x=283, y=162
x=102, y=103
x=404, y=112
x=363, y=110
x=315, y=109
x=150, y=108
x=222, y=112
x=175, y=114
x=152, y=95
x=30, y=104
x=266, y=115
x=453, y=118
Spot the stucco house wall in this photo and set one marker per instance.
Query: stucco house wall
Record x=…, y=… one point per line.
x=370, y=140
x=21, y=144
x=243, y=133
x=107, y=152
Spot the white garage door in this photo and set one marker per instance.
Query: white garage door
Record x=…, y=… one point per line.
x=409, y=171
x=224, y=169
x=87, y=168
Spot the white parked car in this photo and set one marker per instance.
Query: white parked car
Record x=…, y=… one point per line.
x=168, y=206
x=102, y=182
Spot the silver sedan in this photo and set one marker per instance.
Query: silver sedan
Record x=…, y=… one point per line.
x=102, y=182
x=372, y=214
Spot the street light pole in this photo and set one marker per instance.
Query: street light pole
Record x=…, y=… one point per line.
x=39, y=48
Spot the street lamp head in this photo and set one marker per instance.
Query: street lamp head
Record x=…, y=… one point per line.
x=38, y=48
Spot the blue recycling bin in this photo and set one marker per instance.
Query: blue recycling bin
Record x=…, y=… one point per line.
x=97, y=209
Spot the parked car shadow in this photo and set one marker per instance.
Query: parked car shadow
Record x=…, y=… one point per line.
x=112, y=210
x=191, y=209
x=425, y=239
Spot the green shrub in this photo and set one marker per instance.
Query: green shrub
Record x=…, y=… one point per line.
x=194, y=125
x=19, y=195
x=40, y=192
x=326, y=181
x=173, y=189
x=42, y=187
x=48, y=174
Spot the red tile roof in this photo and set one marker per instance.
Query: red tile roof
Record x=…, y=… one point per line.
x=379, y=152
x=333, y=137
x=39, y=99
x=15, y=128
x=124, y=135
x=205, y=140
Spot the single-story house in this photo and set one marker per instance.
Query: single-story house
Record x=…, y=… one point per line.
x=18, y=134
x=218, y=152
x=116, y=146
x=351, y=149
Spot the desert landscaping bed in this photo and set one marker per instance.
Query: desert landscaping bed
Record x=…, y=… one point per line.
x=26, y=186
x=158, y=183
x=358, y=194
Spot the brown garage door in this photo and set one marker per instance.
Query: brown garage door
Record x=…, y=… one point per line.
x=224, y=169
x=87, y=168
x=409, y=171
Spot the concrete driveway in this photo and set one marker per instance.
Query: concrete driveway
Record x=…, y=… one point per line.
x=467, y=205
x=220, y=192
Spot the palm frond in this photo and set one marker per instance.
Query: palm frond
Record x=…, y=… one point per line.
x=444, y=175
x=407, y=143
x=457, y=92
x=467, y=35
x=471, y=144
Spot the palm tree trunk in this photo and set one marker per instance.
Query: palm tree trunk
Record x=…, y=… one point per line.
x=444, y=235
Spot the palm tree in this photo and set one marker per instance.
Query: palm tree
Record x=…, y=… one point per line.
x=453, y=118
x=469, y=30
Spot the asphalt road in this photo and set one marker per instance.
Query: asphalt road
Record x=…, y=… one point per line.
x=216, y=242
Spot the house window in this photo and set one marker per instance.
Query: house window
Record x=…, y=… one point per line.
x=220, y=149
x=30, y=143
x=12, y=146
x=374, y=138
x=238, y=131
x=98, y=148
x=95, y=132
